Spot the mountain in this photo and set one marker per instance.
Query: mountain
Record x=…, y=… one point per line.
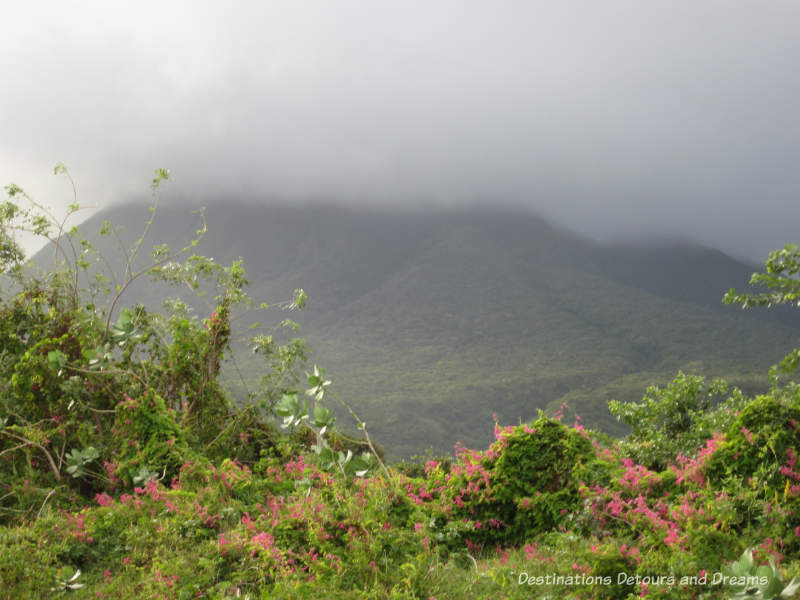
x=431, y=322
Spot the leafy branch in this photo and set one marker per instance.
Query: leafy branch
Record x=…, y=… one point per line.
x=781, y=279
x=320, y=419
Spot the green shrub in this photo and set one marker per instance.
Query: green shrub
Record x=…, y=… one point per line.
x=760, y=446
x=671, y=420
x=526, y=483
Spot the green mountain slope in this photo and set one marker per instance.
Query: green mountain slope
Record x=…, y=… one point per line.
x=431, y=323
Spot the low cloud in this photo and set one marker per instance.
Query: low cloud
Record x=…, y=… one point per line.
x=615, y=119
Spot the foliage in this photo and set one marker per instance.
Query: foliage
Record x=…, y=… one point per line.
x=761, y=446
x=95, y=395
x=749, y=580
x=526, y=482
x=675, y=419
x=780, y=277
x=126, y=471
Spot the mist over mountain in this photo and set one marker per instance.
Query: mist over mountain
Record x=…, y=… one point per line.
x=430, y=323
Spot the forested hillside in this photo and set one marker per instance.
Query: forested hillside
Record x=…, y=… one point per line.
x=432, y=322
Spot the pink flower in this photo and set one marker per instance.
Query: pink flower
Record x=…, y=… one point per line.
x=747, y=434
x=103, y=499
x=530, y=550
x=431, y=465
x=672, y=537
x=264, y=540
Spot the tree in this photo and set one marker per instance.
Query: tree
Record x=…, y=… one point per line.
x=783, y=285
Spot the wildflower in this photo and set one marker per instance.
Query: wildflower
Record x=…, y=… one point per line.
x=530, y=550
x=672, y=537
x=103, y=499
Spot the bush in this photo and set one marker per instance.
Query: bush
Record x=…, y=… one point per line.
x=761, y=448
x=97, y=397
x=526, y=483
x=669, y=421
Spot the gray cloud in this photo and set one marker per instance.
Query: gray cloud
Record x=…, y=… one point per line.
x=613, y=118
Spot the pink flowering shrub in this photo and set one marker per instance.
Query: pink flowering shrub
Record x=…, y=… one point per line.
x=760, y=446
x=526, y=482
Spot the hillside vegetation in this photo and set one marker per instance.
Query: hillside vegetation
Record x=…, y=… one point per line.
x=127, y=471
x=431, y=323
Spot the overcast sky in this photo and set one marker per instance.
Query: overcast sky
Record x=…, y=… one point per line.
x=613, y=118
